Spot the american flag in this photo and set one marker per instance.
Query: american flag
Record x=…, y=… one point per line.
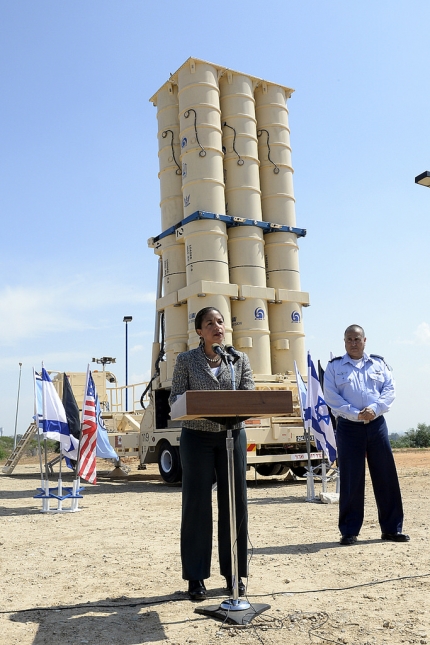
x=87, y=461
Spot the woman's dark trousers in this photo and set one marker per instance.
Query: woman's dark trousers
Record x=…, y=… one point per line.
x=202, y=455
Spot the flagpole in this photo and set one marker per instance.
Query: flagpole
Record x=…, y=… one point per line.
x=310, y=489
x=73, y=419
x=324, y=475
x=325, y=460
x=36, y=420
x=78, y=465
x=45, y=445
x=302, y=392
x=76, y=482
x=60, y=482
x=318, y=418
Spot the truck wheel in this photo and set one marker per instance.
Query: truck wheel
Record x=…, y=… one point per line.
x=267, y=470
x=299, y=471
x=169, y=463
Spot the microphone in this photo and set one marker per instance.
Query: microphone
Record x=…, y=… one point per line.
x=233, y=352
x=219, y=351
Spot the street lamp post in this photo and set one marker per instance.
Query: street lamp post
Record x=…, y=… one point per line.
x=423, y=179
x=17, y=406
x=127, y=319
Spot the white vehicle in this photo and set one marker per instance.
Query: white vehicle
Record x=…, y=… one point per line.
x=228, y=240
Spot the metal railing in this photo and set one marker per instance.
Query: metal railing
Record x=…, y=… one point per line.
x=116, y=398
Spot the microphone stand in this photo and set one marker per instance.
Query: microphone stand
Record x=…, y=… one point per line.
x=233, y=603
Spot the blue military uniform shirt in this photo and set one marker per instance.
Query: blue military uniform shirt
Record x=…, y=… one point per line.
x=349, y=388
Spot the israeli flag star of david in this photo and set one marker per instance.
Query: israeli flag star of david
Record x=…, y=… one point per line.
x=322, y=417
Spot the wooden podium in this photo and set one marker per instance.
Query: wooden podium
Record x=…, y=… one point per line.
x=217, y=405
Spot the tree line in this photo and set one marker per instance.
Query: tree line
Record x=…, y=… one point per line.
x=31, y=449
x=418, y=437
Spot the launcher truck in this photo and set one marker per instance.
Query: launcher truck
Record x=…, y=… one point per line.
x=227, y=239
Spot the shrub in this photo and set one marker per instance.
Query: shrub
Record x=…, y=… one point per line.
x=414, y=438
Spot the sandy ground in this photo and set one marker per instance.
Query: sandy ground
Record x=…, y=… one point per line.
x=110, y=574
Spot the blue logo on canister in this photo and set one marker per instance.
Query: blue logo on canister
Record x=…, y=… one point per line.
x=295, y=317
x=259, y=314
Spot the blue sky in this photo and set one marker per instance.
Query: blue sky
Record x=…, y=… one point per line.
x=79, y=192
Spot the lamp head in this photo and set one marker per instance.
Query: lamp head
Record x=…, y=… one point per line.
x=423, y=179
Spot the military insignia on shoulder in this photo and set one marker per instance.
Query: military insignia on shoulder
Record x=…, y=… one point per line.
x=381, y=358
x=336, y=358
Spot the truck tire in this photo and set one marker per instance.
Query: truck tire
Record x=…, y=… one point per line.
x=169, y=463
x=267, y=470
x=299, y=471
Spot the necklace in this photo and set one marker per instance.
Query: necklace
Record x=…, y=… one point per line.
x=211, y=360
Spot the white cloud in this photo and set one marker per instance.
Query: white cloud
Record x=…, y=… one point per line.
x=50, y=359
x=29, y=312
x=422, y=334
x=141, y=377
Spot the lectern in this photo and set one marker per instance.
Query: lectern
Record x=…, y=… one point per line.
x=216, y=404
x=228, y=408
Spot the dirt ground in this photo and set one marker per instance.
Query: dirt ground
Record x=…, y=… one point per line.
x=111, y=575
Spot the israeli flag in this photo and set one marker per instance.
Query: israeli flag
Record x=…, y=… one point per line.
x=38, y=417
x=317, y=415
x=72, y=451
x=54, y=421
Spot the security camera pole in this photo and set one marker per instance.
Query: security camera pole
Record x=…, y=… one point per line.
x=105, y=360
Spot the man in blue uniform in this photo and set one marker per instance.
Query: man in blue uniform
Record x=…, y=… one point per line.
x=359, y=389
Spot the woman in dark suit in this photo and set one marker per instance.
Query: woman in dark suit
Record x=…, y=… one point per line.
x=203, y=452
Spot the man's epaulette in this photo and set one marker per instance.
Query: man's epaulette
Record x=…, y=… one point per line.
x=336, y=358
x=381, y=358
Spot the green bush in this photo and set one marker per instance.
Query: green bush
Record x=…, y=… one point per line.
x=31, y=449
x=6, y=447
x=414, y=438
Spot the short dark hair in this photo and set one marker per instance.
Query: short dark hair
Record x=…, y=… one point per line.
x=351, y=327
x=201, y=315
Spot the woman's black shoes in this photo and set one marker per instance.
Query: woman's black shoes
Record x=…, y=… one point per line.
x=196, y=590
x=240, y=585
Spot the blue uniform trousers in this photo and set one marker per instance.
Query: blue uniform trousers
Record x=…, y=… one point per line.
x=355, y=441
x=202, y=454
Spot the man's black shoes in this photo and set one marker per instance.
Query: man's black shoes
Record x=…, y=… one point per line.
x=196, y=590
x=395, y=537
x=240, y=585
x=348, y=540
